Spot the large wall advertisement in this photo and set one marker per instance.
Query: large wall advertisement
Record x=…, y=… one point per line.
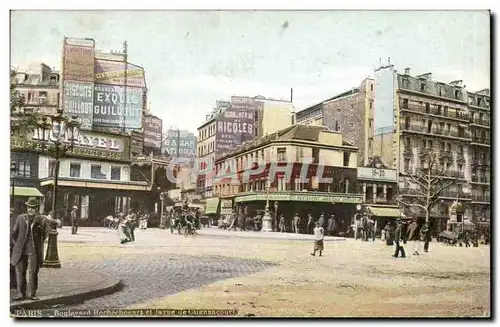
x=78, y=100
x=384, y=100
x=110, y=109
x=152, y=132
x=78, y=63
x=181, y=140
x=233, y=127
x=113, y=73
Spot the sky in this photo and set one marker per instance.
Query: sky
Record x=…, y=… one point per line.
x=193, y=58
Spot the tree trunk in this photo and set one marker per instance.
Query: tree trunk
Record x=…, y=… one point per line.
x=427, y=215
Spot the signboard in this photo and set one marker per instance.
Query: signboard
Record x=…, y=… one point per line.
x=78, y=63
x=226, y=206
x=113, y=73
x=377, y=174
x=181, y=140
x=152, y=132
x=78, y=100
x=110, y=109
x=89, y=144
x=233, y=127
x=301, y=198
x=212, y=204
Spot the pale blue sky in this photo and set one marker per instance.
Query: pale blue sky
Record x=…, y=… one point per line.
x=193, y=58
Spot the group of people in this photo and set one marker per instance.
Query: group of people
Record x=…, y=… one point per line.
x=407, y=231
x=127, y=223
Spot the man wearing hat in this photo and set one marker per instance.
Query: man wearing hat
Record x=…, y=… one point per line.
x=398, y=238
x=74, y=220
x=28, y=235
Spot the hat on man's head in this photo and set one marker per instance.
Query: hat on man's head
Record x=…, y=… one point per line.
x=75, y=207
x=32, y=202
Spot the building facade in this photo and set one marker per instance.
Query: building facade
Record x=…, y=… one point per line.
x=350, y=112
x=312, y=154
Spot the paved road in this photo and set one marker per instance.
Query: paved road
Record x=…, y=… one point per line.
x=147, y=276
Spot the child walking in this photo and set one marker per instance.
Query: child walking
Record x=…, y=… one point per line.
x=319, y=234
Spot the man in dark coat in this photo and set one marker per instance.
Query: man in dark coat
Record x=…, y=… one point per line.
x=28, y=235
x=321, y=221
x=310, y=224
x=426, y=236
x=398, y=239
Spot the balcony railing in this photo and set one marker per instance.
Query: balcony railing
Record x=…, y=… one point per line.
x=433, y=130
x=480, y=140
x=445, y=173
x=482, y=179
x=482, y=122
x=454, y=194
x=445, y=154
x=480, y=198
x=435, y=112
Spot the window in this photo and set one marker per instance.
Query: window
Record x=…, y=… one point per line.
x=299, y=154
x=405, y=103
x=74, y=169
x=439, y=110
x=281, y=154
x=24, y=169
x=448, y=127
x=460, y=149
x=371, y=104
x=347, y=156
x=441, y=146
x=370, y=122
x=346, y=185
x=95, y=172
x=429, y=144
x=407, y=142
x=445, y=109
x=424, y=143
x=422, y=86
x=448, y=147
x=281, y=184
x=315, y=153
x=85, y=207
x=460, y=167
x=116, y=173
x=405, y=83
x=427, y=107
x=371, y=87
x=440, y=90
x=337, y=127
x=457, y=94
x=429, y=126
x=52, y=167
x=407, y=165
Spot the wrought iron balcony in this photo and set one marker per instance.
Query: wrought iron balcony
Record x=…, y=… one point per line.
x=482, y=179
x=481, y=122
x=445, y=173
x=480, y=198
x=480, y=140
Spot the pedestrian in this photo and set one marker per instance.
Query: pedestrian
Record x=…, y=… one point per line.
x=123, y=228
x=426, y=236
x=319, y=234
x=414, y=235
x=398, y=240
x=322, y=220
x=329, y=225
x=132, y=224
x=13, y=283
x=282, y=223
x=404, y=230
x=467, y=240
x=74, y=220
x=28, y=235
x=310, y=224
x=295, y=223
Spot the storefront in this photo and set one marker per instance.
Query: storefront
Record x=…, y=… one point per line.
x=382, y=215
x=289, y=203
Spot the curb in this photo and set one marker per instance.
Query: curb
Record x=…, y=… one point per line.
x=269, y=238
x=108, y=286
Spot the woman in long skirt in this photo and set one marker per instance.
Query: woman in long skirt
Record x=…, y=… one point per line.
x=123, y=230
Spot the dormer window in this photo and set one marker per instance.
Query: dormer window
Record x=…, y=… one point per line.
x=478, y=101
x=457, y=94
x=422, y=86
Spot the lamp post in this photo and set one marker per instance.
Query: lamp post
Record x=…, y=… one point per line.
x=266, y=220
x=53, y=137
x=13, y=168
x=275, y=223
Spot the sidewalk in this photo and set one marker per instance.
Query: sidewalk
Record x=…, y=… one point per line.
x=67, y=286
x=216, y=232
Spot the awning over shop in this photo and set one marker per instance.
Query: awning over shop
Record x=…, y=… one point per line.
x=212, y=206
x=386, y=212
x=26, y=191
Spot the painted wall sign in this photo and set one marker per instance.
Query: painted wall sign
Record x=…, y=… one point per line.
x=152, y=132
x=113, y=73
x=110, y=109
x=182, y=140
x=78, y=63
x=301, y=198
x=78, y=100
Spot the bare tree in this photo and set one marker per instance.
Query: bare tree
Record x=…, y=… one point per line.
x=429, y=183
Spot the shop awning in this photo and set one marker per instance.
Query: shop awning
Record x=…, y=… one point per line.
x=212, y=206
x=386, y=212
x=26, y=191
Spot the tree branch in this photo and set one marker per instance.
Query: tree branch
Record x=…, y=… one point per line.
x=410, y=204
x=441, y=189
x=422, y=185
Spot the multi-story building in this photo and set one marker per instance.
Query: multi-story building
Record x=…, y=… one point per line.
x=230, y=124
x=350, y=112
x=480, y=154
x=296, y=191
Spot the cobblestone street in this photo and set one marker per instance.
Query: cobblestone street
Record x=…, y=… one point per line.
x=266, y=277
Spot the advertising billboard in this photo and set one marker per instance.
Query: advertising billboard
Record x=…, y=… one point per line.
x=181, y=140
x=233, y=127
x=152, y=132
x=384, y=100
x=113, y=73
x=78, y=100
x=78, y=63
x=110, y=109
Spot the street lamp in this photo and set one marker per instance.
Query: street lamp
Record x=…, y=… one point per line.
x=266, y=220
x=13, y=168
x=275, y=215
x=52, y=137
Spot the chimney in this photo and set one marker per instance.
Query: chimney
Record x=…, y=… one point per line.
x=291, y=94
x=407, y=71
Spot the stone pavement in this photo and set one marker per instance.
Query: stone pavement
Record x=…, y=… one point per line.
x=68, y=285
